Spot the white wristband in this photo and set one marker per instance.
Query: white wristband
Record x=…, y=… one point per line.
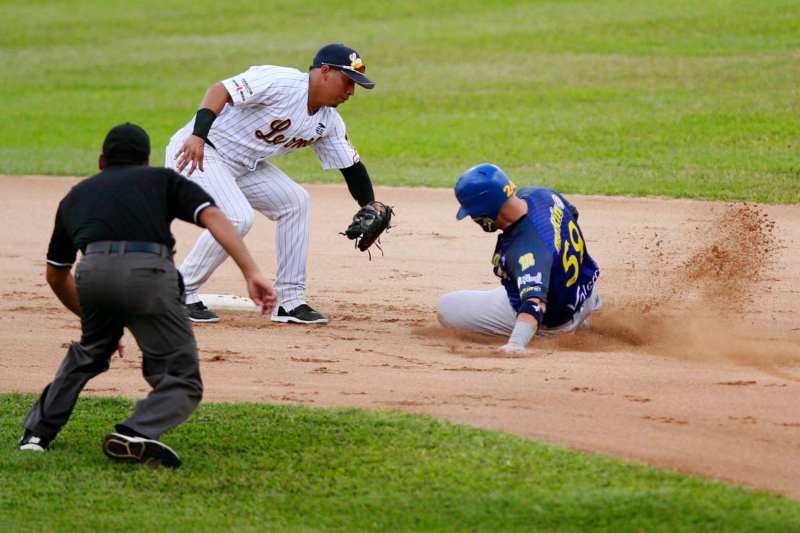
x=522, y=333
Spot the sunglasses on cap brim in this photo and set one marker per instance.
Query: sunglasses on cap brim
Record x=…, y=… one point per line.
x=362, y=69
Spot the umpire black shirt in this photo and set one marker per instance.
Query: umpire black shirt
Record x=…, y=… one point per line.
x=124, y=203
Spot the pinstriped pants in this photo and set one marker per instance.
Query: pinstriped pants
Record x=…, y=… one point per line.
x=237, y=191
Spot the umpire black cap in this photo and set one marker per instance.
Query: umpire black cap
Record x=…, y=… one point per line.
x=127, y=143
x=344, y=59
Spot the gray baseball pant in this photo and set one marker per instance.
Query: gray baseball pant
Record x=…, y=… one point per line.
x=489, y=312
x=138, y=291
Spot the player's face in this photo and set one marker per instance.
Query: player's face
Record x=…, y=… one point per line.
x=337, y=88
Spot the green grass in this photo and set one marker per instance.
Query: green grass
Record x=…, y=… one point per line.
x=678, y=98
x=258, y=467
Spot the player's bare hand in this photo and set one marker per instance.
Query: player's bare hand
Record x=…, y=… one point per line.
x=511, y=348
x=121, y=349
x=261, y=292
x=191, y=153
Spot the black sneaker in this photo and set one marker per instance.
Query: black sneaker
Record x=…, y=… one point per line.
x=198, y=312
x=33, y=443
x=302, y=314
x=148, y=452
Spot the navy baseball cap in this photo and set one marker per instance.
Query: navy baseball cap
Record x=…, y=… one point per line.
x=127, y=143
x=345, y=60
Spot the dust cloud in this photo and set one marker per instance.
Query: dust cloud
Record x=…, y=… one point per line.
x=700, y=309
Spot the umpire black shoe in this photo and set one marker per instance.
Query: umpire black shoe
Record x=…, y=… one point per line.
x=302, y=314
x=148, y=452
x=33, y=442
x=198, y=312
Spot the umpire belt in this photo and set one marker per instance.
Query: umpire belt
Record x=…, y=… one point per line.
x=128, y=247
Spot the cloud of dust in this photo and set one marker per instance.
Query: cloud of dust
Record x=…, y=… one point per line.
x=704, y=308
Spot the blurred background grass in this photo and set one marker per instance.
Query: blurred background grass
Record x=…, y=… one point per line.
x=675, y=98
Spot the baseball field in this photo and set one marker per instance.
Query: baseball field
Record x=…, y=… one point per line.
x=672, y=126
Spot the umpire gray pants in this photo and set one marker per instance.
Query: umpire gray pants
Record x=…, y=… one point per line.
x=138, y=291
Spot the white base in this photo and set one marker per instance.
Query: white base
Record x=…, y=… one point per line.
x=228, y=302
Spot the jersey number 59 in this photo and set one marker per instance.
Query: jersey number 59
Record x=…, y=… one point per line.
x=572, y=258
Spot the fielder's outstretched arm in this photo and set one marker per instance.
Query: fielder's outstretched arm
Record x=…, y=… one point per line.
x=530, y=315
x=358, y=183
x=193, y=147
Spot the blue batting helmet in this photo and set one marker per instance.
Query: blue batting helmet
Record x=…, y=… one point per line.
x=482, y=191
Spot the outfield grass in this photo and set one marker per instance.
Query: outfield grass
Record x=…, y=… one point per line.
x=680, y=98
x=258, y=467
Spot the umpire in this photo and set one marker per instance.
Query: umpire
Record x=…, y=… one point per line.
x=120, y=219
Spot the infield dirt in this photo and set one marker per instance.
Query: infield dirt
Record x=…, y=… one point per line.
x=691, y=365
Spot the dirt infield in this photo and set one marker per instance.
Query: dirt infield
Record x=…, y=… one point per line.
x=692, y=365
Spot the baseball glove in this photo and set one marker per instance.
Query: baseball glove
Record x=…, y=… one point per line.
x=368, y=224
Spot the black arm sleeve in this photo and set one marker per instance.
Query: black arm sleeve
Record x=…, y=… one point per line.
x=61, y=252
x=186, y=198
x=358, y=183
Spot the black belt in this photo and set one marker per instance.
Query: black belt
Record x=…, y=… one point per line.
x=127, y=247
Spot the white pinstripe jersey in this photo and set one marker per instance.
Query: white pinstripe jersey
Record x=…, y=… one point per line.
x=269, y=117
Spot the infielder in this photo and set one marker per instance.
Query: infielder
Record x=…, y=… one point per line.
x=548, y=278
x=243, y=122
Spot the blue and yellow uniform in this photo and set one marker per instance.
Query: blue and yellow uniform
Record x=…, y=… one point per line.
x=541, y=259
x=544, y=255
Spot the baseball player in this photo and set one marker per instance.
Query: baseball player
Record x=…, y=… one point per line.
x=120, y=220
x=548, y=278
x=245, y=121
